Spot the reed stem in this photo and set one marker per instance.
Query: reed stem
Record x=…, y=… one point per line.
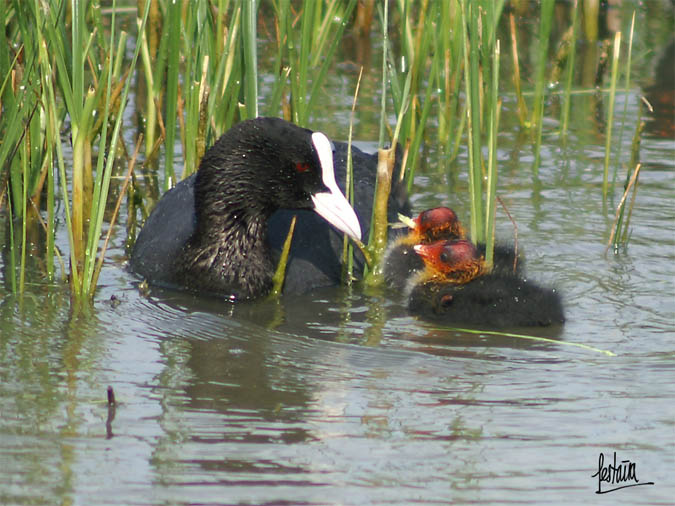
x=347, y=247
x=383, y=100
x=249, y=36
x=280, y=272
x=538, y=112
x=610, y=112
x=493, y=121
x=472, y=84
x=172, y=71
x=619, y=144
x=569, y=74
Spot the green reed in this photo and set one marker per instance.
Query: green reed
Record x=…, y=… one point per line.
x=429, y=54
x=307, y=58
x=540, y=79
x=591, y=15
x=449, y=49
x=347, y=246
x=522, y=106
x=569, y=73
x=620, y=233
x=12, y=249
x=414, y=128
x=610, y=111
x=479, y=25
x=154, y=40
x=384, y=16
x=280, y=272
x=620, y=228
x=172, y=74
x=491, y=186
x=250, y=58
x=377, y=235
x=627, y=71
x=215, y=78
x=472, y=82
x=23, y=156
x=105, y=167
x=78, y=71
x=444, y=47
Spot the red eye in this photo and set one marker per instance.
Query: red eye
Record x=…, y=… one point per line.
x=446, y=300
x=301, y=167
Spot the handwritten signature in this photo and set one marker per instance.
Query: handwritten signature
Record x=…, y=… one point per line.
x=623, y=474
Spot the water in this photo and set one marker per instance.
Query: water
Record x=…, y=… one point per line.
x=340, y=397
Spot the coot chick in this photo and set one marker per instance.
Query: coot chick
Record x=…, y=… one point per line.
x=454, y=289
x=400, y=259
x=457, y=261
x=271, y=156
x=435, y=224
x=439, y=223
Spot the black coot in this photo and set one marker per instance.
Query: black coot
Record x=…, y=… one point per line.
x=455, y=289
x=219, y=231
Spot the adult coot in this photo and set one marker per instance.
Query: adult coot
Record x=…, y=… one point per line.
x=455, y=289
x=219, y=231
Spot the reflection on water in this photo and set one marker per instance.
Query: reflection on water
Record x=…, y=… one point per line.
x=661, y=95
x=339, y=396
x=343, y=398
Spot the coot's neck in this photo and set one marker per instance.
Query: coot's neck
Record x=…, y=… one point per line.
x=228, y=253
x=233, y=258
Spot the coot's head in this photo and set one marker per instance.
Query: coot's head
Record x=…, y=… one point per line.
x=438, y=223
x=264, y=164
x=453, y=261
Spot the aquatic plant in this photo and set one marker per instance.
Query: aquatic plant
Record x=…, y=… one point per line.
x=65, y=78
x=54, y=65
